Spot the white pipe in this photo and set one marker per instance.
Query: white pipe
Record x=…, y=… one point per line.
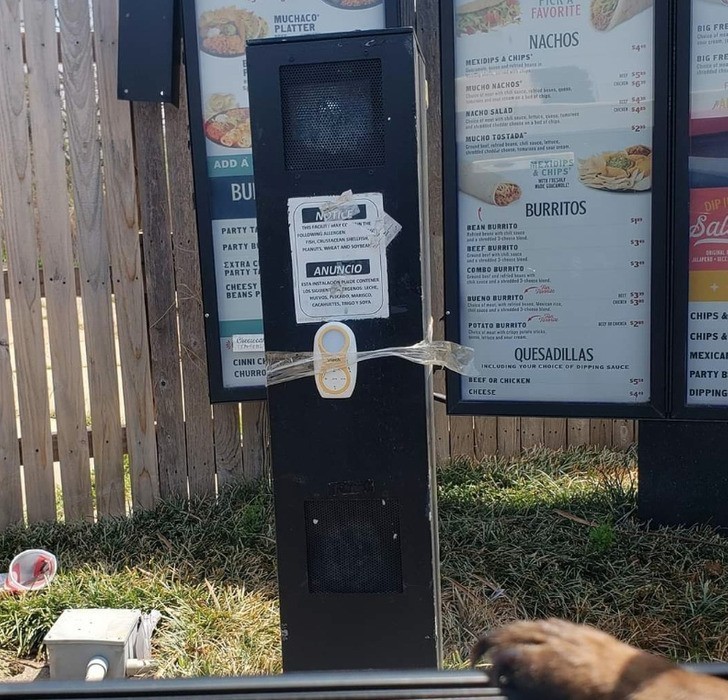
x=134, y=666
x=97, y=669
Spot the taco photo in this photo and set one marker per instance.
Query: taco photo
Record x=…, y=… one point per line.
x=223, y=32
x=480, y=16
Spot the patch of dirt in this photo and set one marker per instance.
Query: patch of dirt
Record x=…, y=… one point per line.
x=21, y=670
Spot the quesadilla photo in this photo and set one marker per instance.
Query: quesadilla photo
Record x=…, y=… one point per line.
x=487, y=186
x=486, y=15
x=607, y=14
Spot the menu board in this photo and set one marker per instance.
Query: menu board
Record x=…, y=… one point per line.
x=554, y=117
x=707, y=327
x=222, y=29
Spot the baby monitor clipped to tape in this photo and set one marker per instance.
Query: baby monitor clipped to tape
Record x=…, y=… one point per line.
x=334, y=360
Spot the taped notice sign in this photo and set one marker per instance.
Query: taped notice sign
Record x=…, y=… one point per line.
x=339, y=251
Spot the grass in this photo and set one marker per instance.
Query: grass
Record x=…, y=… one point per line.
x=555, y=534
x=551, y=533
x=209, y=568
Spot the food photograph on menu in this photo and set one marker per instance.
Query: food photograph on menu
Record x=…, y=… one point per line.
x=553, y=122
x=224, y=32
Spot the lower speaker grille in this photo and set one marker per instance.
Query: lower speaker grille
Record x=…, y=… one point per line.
x=353, y=546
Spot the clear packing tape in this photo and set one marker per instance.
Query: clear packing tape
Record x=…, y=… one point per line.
x=288, y=366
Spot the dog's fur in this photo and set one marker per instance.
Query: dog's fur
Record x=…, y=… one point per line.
x=557, y=660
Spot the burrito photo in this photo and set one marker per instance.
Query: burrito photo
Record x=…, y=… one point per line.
x=607, y=14
x=485, y=15
x=489, y=187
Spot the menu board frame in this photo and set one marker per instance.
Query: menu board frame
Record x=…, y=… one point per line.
x=398, y=13
x=660, y=295
x=681, y=221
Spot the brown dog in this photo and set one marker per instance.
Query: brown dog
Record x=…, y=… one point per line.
x=557, y=660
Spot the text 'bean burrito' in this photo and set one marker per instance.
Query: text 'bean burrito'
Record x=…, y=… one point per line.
x=487, y=186
x=607, y=14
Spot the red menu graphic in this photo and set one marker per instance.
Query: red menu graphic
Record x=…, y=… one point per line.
x=709, y=245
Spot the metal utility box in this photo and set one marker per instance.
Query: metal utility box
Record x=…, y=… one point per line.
x=354, y=482
x=79, y=635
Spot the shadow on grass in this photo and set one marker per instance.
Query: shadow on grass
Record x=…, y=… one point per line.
x=555, y=534
x=228, y=541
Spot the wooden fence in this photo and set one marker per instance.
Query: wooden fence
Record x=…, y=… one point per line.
x=102, y=353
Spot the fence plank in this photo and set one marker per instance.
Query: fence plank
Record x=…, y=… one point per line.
x=41, y=280
x=58, y=46
x=161, y=302
x=256, y=442
x=462, y=437
x=198, y=413
x=579, y=432
x=555, y=433
x=22, y=252
x=228, y=448
x=622, y=434
x=532, y=432
x=428, y=23
x=120, y=222
x=11, y=495
x=89, y=439
x=93, y=254
x=600, y=433
x=57, y=255
x=509, y=436
x=486, y=436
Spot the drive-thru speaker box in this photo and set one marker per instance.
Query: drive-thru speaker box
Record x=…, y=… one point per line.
x=353, y=478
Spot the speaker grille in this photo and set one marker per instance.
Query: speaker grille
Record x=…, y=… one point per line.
x=333, y=115
x=353, y=546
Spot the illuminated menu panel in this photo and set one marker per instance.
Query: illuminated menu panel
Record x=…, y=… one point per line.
x=707, y=342
x=554, y=120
